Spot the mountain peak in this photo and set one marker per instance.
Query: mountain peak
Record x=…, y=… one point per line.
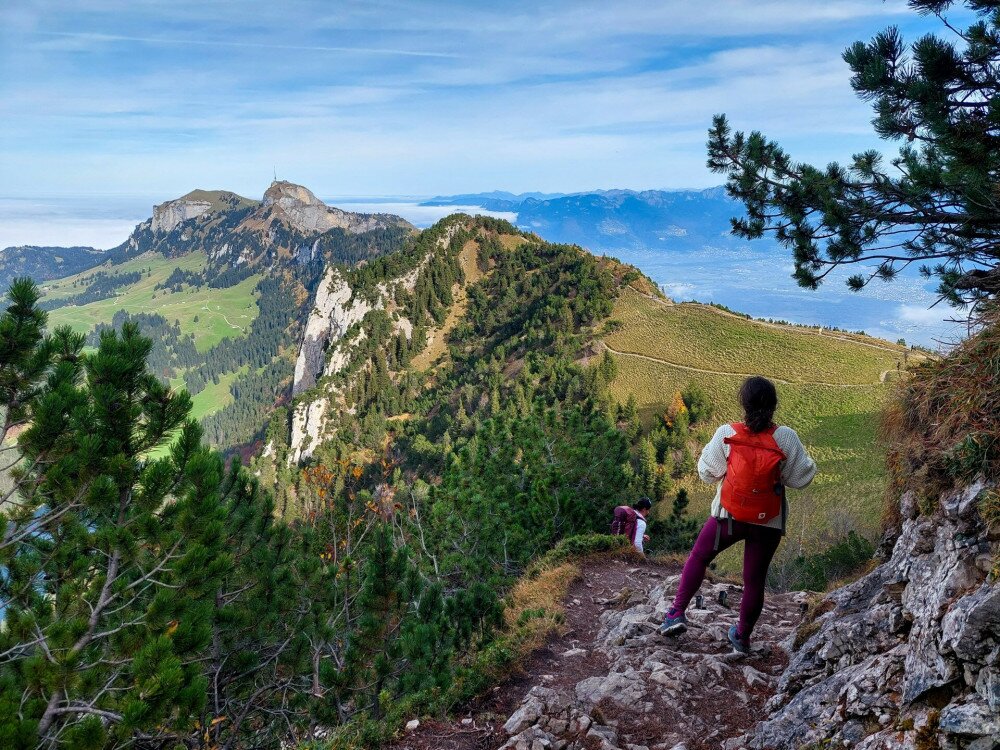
x=289, y=195
x=169, y=214
x=300, y=207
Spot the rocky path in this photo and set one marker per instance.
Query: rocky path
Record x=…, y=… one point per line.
x=611, y=682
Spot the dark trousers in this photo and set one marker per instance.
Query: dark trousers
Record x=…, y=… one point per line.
x=759, y=546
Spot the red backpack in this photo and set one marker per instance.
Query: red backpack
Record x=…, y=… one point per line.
x=624, y=523
x=751, y=489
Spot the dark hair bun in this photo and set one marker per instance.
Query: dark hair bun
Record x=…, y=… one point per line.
x=759, y=399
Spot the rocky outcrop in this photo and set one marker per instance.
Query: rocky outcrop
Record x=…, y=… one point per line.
x=288, y=224
x=909, y=651
x=653, y=694
x=332, y=314
x=166, y=216
x=307, y=428
x=323, y=350
x=302, y=210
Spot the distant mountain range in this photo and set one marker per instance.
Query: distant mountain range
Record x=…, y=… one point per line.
x=606, y=220
x=44, y=263
x=239, y=235
x=237, y=231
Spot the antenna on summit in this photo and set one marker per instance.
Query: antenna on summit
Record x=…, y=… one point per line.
x=275, y=174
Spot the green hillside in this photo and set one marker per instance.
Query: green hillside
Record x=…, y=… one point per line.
x=831, y=386
x=208, y=314
x=522, y=403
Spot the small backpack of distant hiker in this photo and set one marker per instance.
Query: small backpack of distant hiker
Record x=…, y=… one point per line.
x=751, y=489
x=624, y=523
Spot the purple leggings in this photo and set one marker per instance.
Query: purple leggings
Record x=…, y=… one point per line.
x=760, y=544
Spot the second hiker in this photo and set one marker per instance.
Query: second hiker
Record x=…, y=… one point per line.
x=753, y=461
x=631, y=522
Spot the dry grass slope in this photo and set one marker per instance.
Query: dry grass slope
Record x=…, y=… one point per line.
x=831, y=388
x=437, y=338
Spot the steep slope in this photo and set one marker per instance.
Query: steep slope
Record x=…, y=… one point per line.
x=832, y=384
x=338, y=310
x=906, y=657
x=169, y=214
x=224, y=285
x=909, y=655
x=289, y=223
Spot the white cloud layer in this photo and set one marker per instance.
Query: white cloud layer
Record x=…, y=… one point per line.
x=392, y=97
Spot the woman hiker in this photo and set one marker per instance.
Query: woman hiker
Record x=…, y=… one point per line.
x=753, y=461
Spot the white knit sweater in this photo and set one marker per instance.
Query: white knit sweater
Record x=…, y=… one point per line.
x=797, y=470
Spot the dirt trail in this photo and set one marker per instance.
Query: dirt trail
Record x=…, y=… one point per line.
x=804, y=330
x=612, y=682
x=740, y=374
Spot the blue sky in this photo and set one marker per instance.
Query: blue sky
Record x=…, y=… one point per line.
x=152, y=98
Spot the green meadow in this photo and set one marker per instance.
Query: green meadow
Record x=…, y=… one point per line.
x=210, y=315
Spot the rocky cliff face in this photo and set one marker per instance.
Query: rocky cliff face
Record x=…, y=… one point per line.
x=302, y=210
x=168, y=215
x=290, y=223
x=332, y=314
x=906, y=657
x=324, y=351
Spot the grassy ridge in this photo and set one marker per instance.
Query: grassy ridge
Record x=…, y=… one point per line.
x=700, y=336
x=837, y=423
x=221, y=313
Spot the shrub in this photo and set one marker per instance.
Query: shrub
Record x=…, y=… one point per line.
x=816, y=572
x=580, y=546
x=944, y=423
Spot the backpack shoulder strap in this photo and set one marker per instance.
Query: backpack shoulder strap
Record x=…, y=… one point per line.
x=739, y=432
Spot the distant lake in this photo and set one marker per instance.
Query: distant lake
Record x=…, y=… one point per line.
x=754, y=279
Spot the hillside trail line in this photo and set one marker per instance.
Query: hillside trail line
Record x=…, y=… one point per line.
x=738, y=374
x=609, y=680
x=801, y=330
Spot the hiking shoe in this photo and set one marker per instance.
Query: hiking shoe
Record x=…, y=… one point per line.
x=739, y=645
x=674, y=623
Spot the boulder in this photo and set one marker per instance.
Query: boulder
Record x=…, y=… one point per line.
x=970, y=717
x=869, y=670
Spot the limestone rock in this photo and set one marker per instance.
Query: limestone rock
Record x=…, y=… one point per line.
x=307, y=213
x=166, y=216
x=923, y=621
x=333, y=313
x=971, y=717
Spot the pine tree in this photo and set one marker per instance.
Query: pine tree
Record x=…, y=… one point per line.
x=374, y=649
x=648, y=467
x=663, y=484
x=698, y=404
x=687, y=463
x=933, y=205
x=112, y=558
